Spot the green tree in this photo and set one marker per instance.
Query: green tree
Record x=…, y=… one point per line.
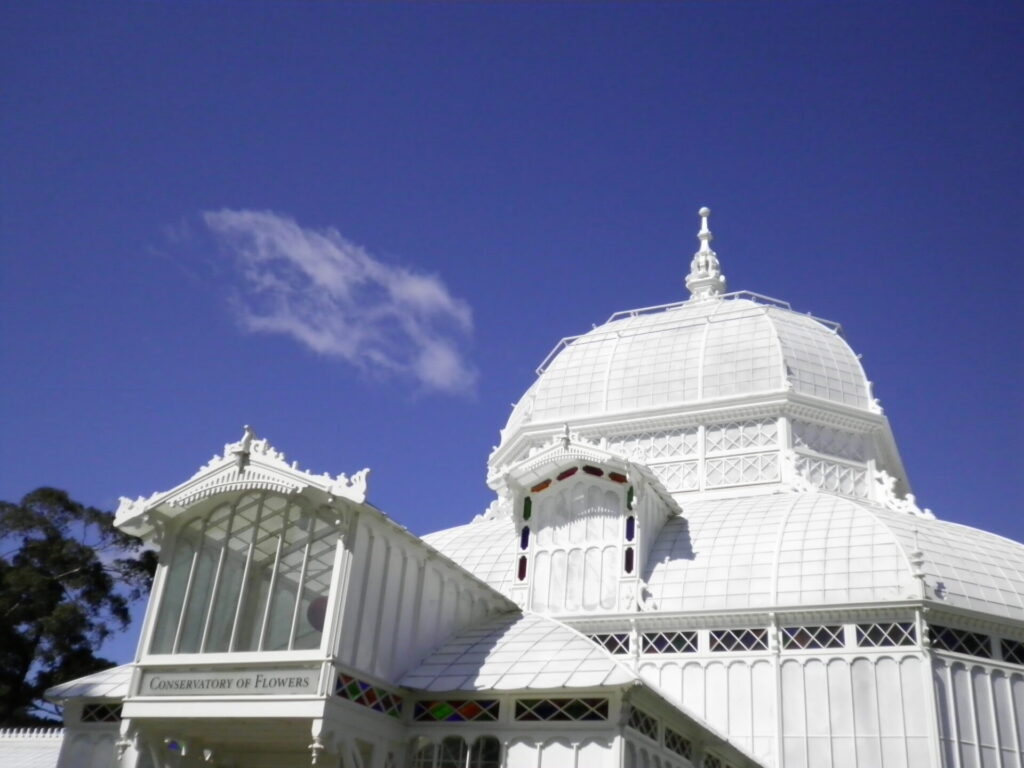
x=67, y=581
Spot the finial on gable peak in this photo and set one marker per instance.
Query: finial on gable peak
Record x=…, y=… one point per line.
x=705, y=280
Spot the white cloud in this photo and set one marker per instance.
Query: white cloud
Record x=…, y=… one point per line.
x=338, y=300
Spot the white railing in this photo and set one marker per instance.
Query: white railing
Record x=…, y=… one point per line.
x=757, y=298
x=11, y=734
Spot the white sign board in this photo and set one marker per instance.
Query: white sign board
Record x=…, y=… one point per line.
x=233, y=682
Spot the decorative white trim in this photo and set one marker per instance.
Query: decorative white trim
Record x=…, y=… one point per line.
x=885, y=495
x=250, y=464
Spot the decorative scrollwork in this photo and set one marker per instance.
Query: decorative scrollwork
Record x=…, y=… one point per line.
x=885, y=487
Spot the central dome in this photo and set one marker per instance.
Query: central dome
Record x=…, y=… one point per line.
x=685, y=354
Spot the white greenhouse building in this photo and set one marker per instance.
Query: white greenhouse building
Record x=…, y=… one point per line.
x=702, y=553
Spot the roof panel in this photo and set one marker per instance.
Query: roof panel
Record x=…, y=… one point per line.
x=524, y=652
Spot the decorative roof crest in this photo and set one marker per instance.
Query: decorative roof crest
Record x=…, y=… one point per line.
x=251, y=463
x=885, y=487
x=705, y=280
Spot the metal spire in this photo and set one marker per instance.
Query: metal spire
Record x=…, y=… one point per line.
x=705, y=280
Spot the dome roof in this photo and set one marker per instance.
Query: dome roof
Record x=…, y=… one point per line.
x=689, y=353
x=818, y=549
x=791, y=549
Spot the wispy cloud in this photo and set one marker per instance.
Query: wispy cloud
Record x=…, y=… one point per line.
x=338, y=300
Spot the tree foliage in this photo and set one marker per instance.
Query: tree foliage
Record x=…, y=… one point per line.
x=67, y=582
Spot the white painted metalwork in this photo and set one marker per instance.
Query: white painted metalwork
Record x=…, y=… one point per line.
x=703, y=551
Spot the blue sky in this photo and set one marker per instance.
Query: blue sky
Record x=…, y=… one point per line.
x=487, y=179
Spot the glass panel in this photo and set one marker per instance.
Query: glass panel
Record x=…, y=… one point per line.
x=254, y=574
x=175, y=582
x=261, y=572
x=452, y=753
x=232, y=569
x=316, y=585
x=287, y=580
x=423, y=757
x=486, y=753
x=202, y=580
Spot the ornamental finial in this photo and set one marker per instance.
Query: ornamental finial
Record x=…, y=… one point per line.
x=705, y=280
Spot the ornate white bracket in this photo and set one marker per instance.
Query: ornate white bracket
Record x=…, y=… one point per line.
x=789, y=469
x=353, y=489
x=885, y=493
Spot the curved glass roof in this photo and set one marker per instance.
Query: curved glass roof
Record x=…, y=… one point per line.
x=106, y=684
x=518, y=652
x=791, y=549
x=692, y=352
x=818, y=549
x=485, y=548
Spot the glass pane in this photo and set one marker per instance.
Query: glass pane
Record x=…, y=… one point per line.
x=198, y=601
x=175, y=581
x=315, y=587
x=229, y=585
x=486, y=753
x=286, y=584
x=261, y=570
x=452, y=753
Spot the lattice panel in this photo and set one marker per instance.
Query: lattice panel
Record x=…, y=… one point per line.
x=834, y=477
x=834, y=442
x=738, y=640
x=961, y=641
x=101, y=713
x=465, y=711
x=370, y=696
x=682, y=476
x=677, y=743
x=812, y=637
x=656, y=445
x=741, y=435
x=710, y=761
x=643, y=723
x=741, y=470
x=1013, y=651
x=886, y=634
x=613, y=642
x=668, y=642
x=561, y=709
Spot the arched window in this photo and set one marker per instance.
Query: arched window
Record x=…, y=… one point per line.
x=486, y=753
x=524, y=538
x=452, y=753
x=423, y=756
x=251, y=574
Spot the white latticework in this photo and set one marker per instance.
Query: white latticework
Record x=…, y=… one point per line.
x=656, y=445
x=829, y=440
x=741, y=470
x=681, y=476
x=834, y=477
x=741, y=435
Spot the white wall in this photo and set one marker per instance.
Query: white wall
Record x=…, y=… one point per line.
x=735, y=696
x=400, y=600
x=981, y=714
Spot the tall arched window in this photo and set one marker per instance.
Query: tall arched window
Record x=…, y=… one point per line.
x=251, y=574
x=486, y=753
x=453, y=752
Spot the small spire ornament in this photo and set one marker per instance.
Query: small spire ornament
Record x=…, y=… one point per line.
x=705, y=280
